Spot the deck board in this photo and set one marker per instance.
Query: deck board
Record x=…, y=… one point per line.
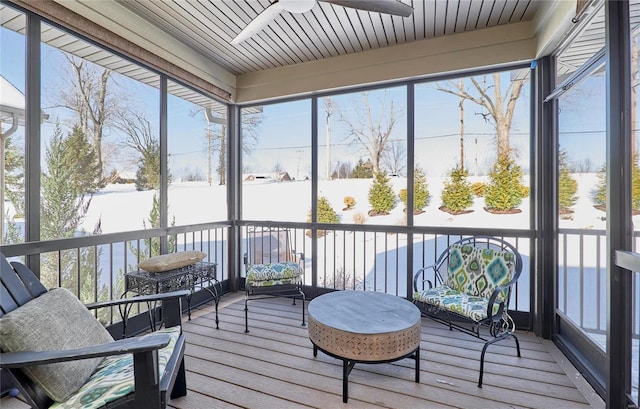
x=273, y=367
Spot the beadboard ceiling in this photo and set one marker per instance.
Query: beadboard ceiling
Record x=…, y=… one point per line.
x=326, y=30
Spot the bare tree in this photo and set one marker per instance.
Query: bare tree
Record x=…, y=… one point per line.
x=395, y=157
x=217, y=141
x=371, y=132
x=278, y=169
x=342, y=170
x=86, y=92
x=500, y=106
x=141, y=139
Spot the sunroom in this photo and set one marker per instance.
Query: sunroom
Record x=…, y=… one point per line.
x=194, y=139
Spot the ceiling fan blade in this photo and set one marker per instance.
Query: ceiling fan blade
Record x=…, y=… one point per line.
x=261, y=21
x=393, y=7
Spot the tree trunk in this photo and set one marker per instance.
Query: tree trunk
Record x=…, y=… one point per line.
x=222, y=169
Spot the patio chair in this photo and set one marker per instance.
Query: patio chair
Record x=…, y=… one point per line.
x=60, y=356
x=472, y=283
x=273, y=268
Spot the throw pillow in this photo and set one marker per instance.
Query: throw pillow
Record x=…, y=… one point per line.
x=56, y=320
x=171, y=261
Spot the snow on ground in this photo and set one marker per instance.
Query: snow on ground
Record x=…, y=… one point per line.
x=122, y=208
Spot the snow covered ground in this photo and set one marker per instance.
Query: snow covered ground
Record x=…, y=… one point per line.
x=122, y=208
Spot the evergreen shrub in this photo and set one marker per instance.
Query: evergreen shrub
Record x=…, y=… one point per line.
x=504, y=191
x=381, y=196
x=479, y=188
x=421, y=195
x=457, y=195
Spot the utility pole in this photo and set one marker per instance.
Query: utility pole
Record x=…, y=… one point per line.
x=209, y=152
x=328, y=107
x=461, y=105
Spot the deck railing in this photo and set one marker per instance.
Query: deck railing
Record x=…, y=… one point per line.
x=631, y=261
x=93, y=267
x=358, y=257
x=375, y=258
x=582, y=275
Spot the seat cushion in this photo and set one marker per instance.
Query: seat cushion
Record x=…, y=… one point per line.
x=449, y=299
x=56, y=320
x=478, y=271
x=113, y=378
x=264, y=275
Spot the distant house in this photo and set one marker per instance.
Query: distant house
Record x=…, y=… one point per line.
x=267, y=178
x=258, y=178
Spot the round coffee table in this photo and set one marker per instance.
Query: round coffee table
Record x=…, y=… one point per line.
x=364, y=327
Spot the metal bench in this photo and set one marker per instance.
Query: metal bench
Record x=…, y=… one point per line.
x=469, y=287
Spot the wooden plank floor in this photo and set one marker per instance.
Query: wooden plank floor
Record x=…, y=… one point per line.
x=273, y=367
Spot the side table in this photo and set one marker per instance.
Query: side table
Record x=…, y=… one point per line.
x=201, y=275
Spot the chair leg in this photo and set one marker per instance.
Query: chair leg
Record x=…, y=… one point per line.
x=493, y=341
x=246, y=315
x=304, y=323
x=180, y=386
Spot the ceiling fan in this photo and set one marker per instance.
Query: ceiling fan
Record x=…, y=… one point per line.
x=393, y=7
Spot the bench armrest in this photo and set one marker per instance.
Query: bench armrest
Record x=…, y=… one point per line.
x=120, y=347
x=420, y=272
x=171, y=305
x=494, y=296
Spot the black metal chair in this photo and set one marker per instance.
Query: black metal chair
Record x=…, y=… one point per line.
x=469, y=287
x=273, y=268
x=21, y=292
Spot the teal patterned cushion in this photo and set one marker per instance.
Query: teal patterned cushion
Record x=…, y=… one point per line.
x=269, y=283
x=113, y=378
x=452, y=300
x=263, y=275
x=478, y=271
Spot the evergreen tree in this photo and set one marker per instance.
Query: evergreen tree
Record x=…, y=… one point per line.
x=600, y=192
x=82, y=159
x=381, y=196
x=567, y=185
x=13, y=190
x=421, y=195
x=72, y=177
x=326, y=214
x=152, y=245
x=635, y=182
x=148, y=173
x=504, y=190
x=14, y=175
x=68, y=184
x=362, y=170
x=457, y=195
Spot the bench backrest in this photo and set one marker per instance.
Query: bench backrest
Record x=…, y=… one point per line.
x=265, y=246
x=478, y=270
x=18, y=285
